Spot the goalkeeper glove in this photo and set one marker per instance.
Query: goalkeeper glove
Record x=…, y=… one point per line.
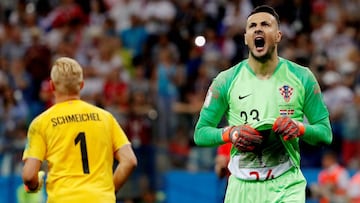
x=288, y=128
x=41, y=175
x=243, y=137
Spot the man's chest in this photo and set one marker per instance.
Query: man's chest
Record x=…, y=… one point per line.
x=251, y=99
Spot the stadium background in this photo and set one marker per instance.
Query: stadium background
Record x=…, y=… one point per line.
x=141, y=63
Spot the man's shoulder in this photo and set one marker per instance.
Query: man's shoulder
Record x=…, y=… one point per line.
x=299, y=70
x=94, y=108
x=227, y=76
x=293, y=64
x=59, y=109
x=233, y=69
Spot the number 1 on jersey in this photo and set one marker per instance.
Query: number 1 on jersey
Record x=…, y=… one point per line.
x=84, y=157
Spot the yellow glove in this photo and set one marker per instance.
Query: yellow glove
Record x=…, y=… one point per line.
x=41, y=175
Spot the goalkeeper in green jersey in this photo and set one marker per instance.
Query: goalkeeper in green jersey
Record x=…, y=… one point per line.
x=265, y=99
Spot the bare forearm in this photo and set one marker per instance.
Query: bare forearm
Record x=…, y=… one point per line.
x=127, y=163
x=121, y=174
x=30, y=173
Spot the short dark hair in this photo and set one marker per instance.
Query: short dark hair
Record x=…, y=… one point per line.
x=266, y=9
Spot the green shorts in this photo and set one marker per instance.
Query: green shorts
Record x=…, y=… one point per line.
x=287, y=188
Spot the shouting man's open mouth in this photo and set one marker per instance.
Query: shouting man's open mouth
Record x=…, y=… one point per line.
x=259, y=43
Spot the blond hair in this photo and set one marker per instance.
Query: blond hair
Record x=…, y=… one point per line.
x=67, y=75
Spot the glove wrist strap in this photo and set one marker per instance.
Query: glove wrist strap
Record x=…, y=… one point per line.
x=301, y=128
x=226, y=134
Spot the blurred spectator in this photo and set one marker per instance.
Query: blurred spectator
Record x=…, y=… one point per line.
x=104, y=65
x=67, y=12
x=350, y=119
x=109, y=27
x=126, y=58
x=167, y=93
x=237, y=11
x=351, y=142
x=141, y=82
x=333, y=180
x=179, y=148
x=163, y=42
x=97, y=13
x=348, y=71
x=201, y=159
x=15, y=114
x=135, y=36
x=121, y=12
x=201, y=83
x=115, y=90
x=37, y=61
x=354, y=188
x=336, y=96
x=21, y=80
x=46, y=94
x=156, y=21
x=138, y=127
x=299, y=49
x=222, y=160
x=16, y=111
x=2, y=120
x=89, y=47
x=29, y=27
x=342, y=42
x=193, y=63
x=12, y=47
x=114, y=96
x=212, y=49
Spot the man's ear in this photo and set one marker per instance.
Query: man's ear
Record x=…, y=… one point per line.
x=278, y=36
x=52, y=86
x=82, y=84
x=245, y=39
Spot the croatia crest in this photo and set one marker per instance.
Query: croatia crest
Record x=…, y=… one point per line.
x=286, y=92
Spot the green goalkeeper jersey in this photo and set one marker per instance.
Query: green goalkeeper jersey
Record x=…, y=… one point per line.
x=243, y=98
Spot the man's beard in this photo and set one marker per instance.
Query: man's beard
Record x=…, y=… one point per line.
x=264, y=58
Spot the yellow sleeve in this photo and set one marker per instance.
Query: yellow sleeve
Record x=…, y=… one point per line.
x=119, y=137
x=35, y=146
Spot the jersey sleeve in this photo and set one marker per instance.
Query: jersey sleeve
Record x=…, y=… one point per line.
x=214, y=107
x=35, y=146
x=318, y=130
x=314, y=108
x=118, y=135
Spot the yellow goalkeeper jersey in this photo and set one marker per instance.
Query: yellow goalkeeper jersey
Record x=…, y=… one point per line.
x=78, y=140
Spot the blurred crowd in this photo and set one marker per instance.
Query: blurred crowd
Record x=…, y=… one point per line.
x=142, y=64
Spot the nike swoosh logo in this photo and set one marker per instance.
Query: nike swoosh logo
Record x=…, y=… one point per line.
x=242, y=97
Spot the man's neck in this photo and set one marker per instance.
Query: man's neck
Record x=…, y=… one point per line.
x=264, y=70
x=63, y=98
